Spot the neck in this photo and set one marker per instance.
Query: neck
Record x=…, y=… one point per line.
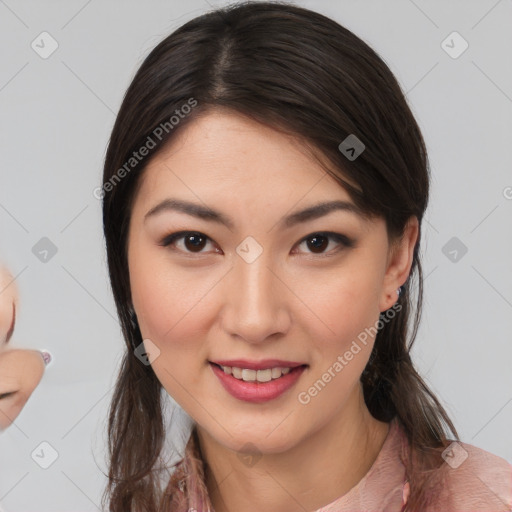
x=317, y=470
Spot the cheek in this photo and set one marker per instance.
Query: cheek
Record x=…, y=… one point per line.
x=341, y=316
x=168, y=315
x=164, y=296
x=339, y=304
x=170, y=312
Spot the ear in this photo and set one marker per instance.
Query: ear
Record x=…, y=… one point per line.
x=400, y=257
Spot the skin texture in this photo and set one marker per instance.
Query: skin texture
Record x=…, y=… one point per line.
x=8, y=304
x=291, y=303
x=21, y=370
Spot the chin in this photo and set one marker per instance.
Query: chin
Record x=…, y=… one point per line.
x=257, y=441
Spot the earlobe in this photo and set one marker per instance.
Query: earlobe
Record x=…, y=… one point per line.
x=399, y=266
x=390, y=299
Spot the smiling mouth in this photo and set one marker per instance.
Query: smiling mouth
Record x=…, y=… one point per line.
x=257, y=386
x=258, y=376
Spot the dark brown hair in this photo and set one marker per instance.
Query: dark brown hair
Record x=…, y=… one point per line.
x=302, y=73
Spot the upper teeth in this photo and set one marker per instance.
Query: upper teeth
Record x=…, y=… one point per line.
x=255, y=375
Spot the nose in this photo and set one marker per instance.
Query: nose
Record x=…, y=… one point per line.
x=255, y=304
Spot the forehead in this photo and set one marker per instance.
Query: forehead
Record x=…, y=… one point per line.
x=226, y=156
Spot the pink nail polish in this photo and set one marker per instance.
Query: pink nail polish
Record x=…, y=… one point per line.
x=47, y=357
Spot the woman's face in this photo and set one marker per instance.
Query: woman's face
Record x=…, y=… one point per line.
x=258, y=288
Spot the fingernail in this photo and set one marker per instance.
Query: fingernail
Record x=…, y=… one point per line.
x=47, y=357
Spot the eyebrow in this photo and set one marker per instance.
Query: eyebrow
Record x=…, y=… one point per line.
x=205, y=213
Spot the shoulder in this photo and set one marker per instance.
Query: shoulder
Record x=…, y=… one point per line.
x=476, y=480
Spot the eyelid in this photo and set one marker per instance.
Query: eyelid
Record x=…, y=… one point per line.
x=343, y=241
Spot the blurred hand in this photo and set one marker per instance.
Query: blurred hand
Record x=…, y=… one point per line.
x=8, y=304
x=21, y=370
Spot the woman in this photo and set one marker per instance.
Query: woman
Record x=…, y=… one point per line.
x=263, y=193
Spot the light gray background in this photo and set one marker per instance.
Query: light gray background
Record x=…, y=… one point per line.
x=56, y=117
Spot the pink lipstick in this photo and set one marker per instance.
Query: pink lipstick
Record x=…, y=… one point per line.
x=258, y=392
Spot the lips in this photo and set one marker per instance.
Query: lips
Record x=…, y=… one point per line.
x=258, y=392
x=257, y=365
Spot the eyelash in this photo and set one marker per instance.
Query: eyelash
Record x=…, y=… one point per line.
x=338, y=237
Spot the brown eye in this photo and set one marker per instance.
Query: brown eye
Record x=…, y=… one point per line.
x=193, y=242
x=317, y=243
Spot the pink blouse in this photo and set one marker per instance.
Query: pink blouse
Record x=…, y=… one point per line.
x=476, y=480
